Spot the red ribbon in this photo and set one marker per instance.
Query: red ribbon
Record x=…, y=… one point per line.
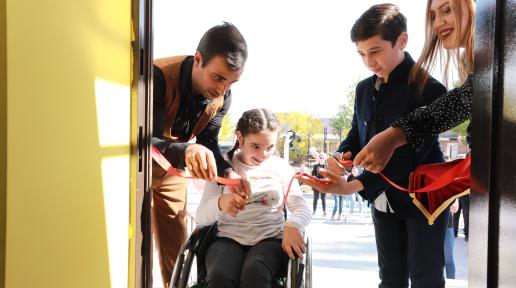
x=163, y=162
x=453, y=174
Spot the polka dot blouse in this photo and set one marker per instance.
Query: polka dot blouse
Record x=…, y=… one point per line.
x=446, y=112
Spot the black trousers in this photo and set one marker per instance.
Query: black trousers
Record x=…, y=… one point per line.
x=464, y=206
x=410, y=248
x=230, y=264
x=316, y=198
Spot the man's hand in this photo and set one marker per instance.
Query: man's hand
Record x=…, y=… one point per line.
x=334, y=162
x=378, y=151
x=200, y=162
x=293, y=242
x=231, y=203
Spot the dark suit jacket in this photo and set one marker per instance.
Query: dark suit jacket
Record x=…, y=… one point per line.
x=374, y=111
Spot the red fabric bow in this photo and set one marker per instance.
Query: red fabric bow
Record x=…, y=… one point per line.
x=434, y=187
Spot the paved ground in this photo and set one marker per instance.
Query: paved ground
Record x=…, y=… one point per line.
x=344, y=252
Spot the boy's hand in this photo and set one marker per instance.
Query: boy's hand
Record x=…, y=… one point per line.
x=231, y=203
x=337, y=185
x=334, y=165
x=293, y=243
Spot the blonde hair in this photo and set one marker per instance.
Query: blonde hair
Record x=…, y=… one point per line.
x=433, y=48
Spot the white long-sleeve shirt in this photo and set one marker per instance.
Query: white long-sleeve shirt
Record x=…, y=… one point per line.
x=262, y=217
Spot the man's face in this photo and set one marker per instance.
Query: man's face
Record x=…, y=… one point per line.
x=380, y=56
x=215, y=78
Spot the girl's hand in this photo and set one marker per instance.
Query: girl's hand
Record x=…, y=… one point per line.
x=293, y=243
x=245, y=187
x=231, y=203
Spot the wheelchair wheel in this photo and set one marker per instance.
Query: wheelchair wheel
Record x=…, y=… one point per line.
x=307, y=281
x=184, y=278
x=190, y=271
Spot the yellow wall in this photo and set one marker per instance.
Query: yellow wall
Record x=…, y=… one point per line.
x=3, y=138
x=68, y=126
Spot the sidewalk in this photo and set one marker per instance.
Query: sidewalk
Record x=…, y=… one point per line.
x=344, y=252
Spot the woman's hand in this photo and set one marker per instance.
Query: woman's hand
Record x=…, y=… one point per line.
x=231, y=203
x=378, y=151
x=293, y=243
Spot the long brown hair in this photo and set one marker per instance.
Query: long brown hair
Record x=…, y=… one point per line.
x=433, y=48
x=254, y=121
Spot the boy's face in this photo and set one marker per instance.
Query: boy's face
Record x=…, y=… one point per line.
x=380, y=56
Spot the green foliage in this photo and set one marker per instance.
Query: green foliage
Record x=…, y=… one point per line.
x=227, y=130
x=342, y=120
x=302, y=124
x=462, y=131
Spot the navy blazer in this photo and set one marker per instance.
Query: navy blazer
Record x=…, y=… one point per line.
x=374, y=111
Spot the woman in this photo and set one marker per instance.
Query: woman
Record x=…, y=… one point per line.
x=449, y=27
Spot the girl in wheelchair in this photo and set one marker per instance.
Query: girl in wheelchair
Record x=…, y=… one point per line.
x=253, y=236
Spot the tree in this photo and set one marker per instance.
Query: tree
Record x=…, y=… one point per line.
x=302, y=124
x=462, y=128
x=462, y=131
x=342, y=120
x=227, y=130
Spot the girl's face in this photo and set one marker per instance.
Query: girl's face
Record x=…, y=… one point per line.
x=444, y=24
x=256, y=147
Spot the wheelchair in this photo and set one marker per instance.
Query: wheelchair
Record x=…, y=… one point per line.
x=186, y=274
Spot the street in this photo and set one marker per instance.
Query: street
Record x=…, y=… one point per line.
x=344, y=252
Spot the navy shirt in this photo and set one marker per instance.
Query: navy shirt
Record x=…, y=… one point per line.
x=375, y=109
x=191, y=107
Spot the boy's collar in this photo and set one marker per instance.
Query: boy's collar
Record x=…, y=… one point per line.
x=401, y=71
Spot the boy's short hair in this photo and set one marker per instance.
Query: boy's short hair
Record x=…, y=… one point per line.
x=384, y=20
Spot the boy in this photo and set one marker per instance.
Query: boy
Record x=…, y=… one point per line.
x=407, y=246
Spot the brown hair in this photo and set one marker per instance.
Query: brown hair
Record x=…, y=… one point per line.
x=384, y=20
x=254, y=121
x=224, y=40
x=434, y=49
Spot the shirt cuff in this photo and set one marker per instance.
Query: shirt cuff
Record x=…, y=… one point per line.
x=293, y=225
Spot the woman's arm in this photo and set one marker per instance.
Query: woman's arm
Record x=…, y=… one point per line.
x=446, y=112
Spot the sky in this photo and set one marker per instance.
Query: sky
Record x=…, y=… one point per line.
x=300, y=55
